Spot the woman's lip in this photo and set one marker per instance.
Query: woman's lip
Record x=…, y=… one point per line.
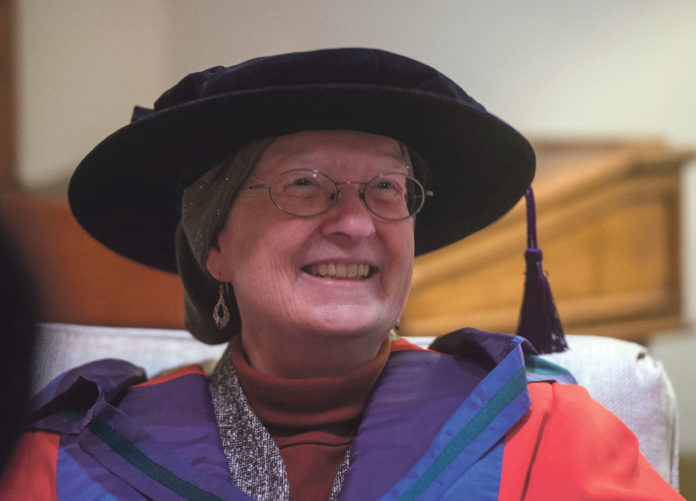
x=350, y=271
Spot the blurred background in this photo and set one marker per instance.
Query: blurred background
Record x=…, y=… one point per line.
x=605, y=90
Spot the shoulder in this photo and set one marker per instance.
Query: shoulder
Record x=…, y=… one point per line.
x=67, y=406
x=487, y=349
x=570, y=446
x=69, y=402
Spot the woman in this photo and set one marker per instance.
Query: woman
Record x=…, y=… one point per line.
x=285, y=192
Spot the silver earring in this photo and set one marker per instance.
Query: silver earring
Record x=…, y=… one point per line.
x=221, y=315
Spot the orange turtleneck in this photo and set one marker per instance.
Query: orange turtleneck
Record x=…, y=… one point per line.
x=313, y=421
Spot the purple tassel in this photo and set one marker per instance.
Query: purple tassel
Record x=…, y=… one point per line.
x=539, y=321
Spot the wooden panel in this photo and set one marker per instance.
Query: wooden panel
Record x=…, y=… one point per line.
x=7, y=118
x=608, y=221
x=80, y=281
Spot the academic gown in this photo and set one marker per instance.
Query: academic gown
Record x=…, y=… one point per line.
x=488, y=419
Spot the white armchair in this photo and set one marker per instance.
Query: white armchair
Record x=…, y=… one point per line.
x=619, y=374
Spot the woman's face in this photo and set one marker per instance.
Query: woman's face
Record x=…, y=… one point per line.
x=278, y=264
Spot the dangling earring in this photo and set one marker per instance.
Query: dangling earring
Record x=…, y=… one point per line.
x=221, y=315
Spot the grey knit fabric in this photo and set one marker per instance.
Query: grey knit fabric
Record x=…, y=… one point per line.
x=340, y=476
x=253, y=457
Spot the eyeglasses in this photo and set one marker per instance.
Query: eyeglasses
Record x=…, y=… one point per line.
x=307, y=192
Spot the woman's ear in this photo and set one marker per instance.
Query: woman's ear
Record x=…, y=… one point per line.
x=215, y=263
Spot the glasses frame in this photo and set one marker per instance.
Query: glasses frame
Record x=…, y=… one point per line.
x=337, y=193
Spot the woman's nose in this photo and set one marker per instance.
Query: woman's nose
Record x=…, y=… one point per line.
x=349, y=216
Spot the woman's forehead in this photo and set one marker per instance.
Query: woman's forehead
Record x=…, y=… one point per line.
x=324, y=149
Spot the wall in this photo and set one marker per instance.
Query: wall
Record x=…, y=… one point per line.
x=81, y=66
x=551, y=68
x=621, y=68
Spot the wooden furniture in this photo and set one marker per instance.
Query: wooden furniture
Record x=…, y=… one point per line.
x=609, y=227
x=81, y=281
x=8, y=177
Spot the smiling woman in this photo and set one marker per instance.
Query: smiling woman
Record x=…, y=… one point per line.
x=289, y=316
x=284, y=192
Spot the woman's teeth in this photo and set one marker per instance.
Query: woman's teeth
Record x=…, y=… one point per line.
x=339, y=270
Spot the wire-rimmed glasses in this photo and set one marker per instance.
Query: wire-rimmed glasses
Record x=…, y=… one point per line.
x=309, y=192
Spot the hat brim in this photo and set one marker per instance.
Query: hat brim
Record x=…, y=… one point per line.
x=126, y=192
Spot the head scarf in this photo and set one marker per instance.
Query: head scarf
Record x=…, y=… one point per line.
x=204, y=208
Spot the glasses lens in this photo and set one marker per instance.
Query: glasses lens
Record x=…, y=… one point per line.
x=394, y=196
x=303, y=192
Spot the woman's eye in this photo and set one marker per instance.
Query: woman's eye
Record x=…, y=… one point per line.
x=387, y=187
x=384, y=191
x=301, y=186
x=298, y=182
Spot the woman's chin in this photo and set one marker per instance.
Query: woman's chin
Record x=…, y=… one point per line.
x=347, y=325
